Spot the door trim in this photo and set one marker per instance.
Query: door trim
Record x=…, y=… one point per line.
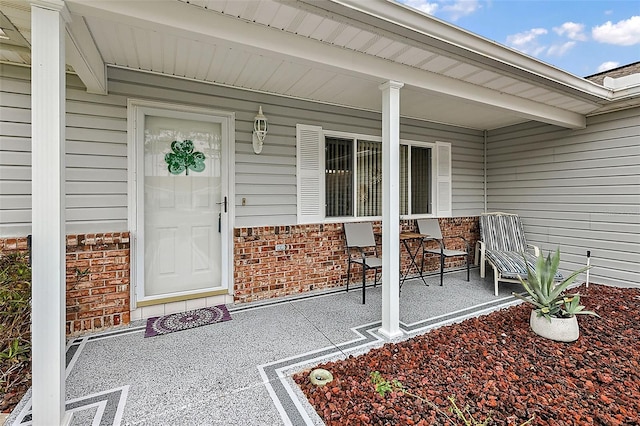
x=135, y=110
x=151, y=302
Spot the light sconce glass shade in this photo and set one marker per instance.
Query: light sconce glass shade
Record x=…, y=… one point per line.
x=260, y=126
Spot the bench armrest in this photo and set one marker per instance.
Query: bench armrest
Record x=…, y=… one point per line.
x=481, y=259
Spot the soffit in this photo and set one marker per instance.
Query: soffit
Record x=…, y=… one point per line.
x=332, y=29
x=130, y=43
x=17, y=50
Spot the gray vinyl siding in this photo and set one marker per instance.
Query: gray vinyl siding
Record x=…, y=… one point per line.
x=467, y=162
x=267, y=181
x=15, y=151
x=96, y=169
x=577, y=190
x=96, y=157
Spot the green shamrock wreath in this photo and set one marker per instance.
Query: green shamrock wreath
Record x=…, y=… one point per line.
x=183, y=158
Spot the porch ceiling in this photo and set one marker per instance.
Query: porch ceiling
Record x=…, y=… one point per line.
x=320, y=50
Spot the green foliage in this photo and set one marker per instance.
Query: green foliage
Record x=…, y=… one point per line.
x=81, y=273
x=383, y=387
x=546, y=294
x=15, y=285
x=463, y=415
x=15, y=320
x=15, y=352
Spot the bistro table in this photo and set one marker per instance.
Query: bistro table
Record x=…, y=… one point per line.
x=407, y=237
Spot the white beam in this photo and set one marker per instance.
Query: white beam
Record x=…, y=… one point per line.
x=187, y=21
x=391, y=209
x=84, y=57
x=48, y=222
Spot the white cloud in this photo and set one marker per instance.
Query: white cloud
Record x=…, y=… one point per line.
x=526, y=37
x=608, y=66
x=422, y=5
x=537, y=51
x=461, y=8
x=571, y=30
x=623, y=33
x=454, y=9
x=560, y=49
x=527, y=42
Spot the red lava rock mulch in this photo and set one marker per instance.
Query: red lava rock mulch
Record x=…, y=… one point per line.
x=498, y=367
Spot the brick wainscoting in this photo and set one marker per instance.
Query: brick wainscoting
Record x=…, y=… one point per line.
x=314, y=257
x=13, y=245
x=97, y=279
x=98, y=268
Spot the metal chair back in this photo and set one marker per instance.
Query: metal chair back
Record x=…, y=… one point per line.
x=359, y=234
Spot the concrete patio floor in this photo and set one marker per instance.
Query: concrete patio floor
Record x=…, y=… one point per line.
x=238, y=372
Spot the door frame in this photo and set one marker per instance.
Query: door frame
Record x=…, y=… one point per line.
x=136, y=108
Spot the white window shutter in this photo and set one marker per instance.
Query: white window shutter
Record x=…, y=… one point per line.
x=310, y=173
x=443, y=180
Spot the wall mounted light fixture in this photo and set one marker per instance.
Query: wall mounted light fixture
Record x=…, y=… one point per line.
x=260, y=127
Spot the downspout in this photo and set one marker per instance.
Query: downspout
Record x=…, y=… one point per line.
x=484, y=156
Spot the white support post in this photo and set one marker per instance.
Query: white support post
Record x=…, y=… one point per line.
x=391, y=209
x=48, y=221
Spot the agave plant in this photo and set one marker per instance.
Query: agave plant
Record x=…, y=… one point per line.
x=546, y=294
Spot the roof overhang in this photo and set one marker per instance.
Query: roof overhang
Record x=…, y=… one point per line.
x=450, y=40
x=328, y=51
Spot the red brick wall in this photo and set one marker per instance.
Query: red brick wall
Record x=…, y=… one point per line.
x=13, y=245
x=97, y=278
x=468, y=227
x=315, y=257
x=98, y=268
x=98, y=265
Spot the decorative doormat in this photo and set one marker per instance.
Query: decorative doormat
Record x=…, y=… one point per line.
x=186, y=320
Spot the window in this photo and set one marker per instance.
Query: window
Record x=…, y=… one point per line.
x=369, y=171
x=418, y=169
x=338, y=177
x=340, y=167
x=341, y=176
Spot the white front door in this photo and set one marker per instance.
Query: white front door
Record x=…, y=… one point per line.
x=182, y=210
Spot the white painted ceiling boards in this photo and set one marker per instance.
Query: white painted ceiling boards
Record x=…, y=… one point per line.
x=335, y=52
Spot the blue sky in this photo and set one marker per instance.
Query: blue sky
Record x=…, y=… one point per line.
x=583, y=37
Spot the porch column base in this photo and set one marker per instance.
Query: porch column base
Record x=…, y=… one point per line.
x=66, y=420
x=390, y=335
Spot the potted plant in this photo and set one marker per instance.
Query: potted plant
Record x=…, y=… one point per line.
x=554, y=315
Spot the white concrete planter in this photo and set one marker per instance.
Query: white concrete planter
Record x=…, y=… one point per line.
x=558, y=329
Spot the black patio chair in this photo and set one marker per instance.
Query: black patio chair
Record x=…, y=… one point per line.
x=360, y=239
x=431, y=227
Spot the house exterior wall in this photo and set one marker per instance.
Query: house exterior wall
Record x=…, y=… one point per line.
x=98, y=271
x=267, y=181
x=316, y=258
x=97, y=149
x=97, y=279
x=96, y=157
x=577, y=190
x=96, y=175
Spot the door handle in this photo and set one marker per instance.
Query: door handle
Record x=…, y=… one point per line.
x=224, y=203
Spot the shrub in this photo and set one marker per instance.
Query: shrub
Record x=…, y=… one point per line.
x=546, y=295
x=15, y=327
